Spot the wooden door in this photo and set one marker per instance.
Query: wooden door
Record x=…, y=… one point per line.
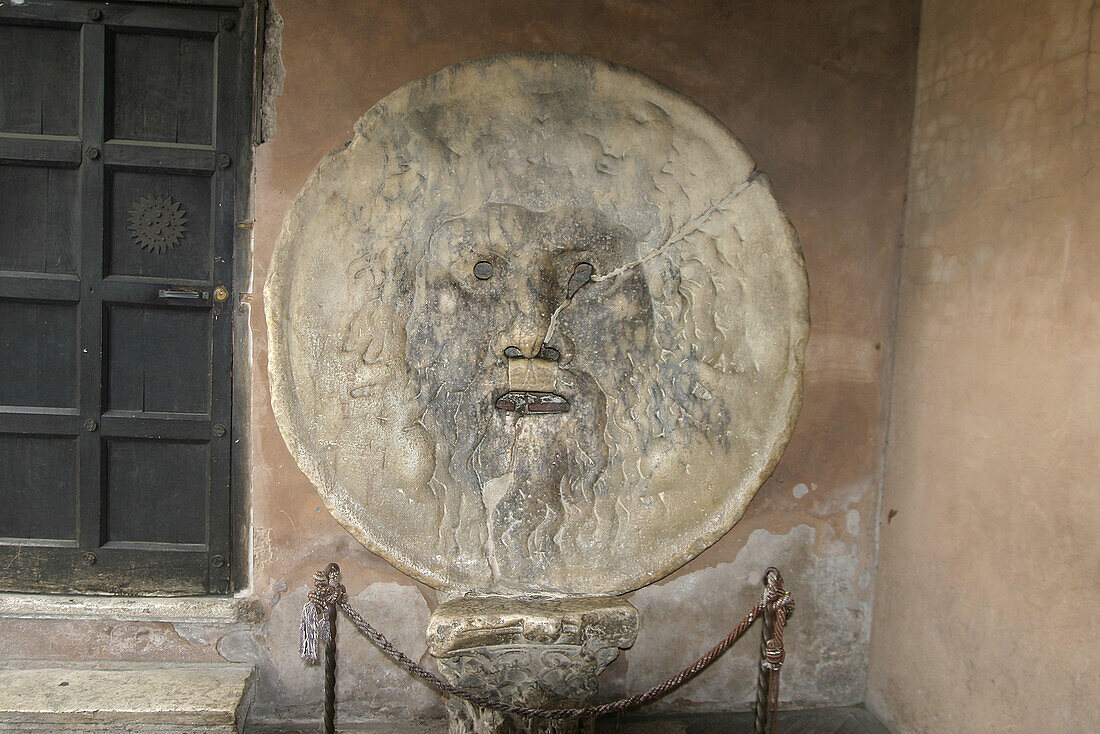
x=117, y=136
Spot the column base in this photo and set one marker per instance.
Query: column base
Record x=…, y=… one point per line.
x=540, y=652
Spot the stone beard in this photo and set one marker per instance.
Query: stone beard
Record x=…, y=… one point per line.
x=527, y=489
x=539, y=478
x=530, y=228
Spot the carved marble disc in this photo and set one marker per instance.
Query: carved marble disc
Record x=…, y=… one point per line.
x=538, y=327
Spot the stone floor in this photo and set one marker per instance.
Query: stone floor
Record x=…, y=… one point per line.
x=149, y=698
x=110, y=697
x=848, y=720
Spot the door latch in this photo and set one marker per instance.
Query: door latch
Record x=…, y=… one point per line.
x=166, y=293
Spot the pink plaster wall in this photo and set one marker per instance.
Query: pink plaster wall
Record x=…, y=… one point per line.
x=989, y=571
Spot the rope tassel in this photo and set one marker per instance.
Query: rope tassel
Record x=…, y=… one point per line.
x=314, y=632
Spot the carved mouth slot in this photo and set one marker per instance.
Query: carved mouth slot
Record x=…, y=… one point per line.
x=532, y=402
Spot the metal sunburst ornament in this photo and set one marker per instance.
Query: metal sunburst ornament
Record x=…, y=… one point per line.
x=157, y=223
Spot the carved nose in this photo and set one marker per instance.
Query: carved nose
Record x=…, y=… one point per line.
x=545, y=352
x=532, y=311
x=529, y=350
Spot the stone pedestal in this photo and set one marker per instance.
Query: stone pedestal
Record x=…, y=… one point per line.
x=543, y=652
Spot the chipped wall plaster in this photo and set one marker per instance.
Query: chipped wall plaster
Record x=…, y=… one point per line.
x=690, y=613
x=273, y=72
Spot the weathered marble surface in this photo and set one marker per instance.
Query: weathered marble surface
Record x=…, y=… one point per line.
x=680, y=359
x=480, y=621
x=175, y=698
x=529, y=651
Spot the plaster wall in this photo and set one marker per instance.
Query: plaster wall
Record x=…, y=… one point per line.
x=989, y=554
x=820, y=91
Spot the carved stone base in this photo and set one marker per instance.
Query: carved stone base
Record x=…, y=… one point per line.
x=529, y=651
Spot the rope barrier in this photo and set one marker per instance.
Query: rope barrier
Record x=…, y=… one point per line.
x=318, y=630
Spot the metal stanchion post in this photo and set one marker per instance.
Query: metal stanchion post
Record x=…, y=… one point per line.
x=330, y=673
x=767, y=681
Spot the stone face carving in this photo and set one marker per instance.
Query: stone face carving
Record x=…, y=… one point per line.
x=538, y=327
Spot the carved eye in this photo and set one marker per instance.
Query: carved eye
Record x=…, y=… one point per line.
x=483, y=270
x=582, y=273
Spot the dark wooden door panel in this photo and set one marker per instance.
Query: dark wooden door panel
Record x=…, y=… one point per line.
x=160, y=224
x=156, y=491
x=39, y=353
x=41, y=483
x=39, y=79
x=39, y=234
x=162, y=87
x=158, y=359
x=117, y=131
x=114, y=569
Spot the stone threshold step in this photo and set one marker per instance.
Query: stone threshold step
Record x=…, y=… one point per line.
x=122, y=697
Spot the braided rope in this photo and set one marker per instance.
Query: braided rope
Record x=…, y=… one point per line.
x=328, y=590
